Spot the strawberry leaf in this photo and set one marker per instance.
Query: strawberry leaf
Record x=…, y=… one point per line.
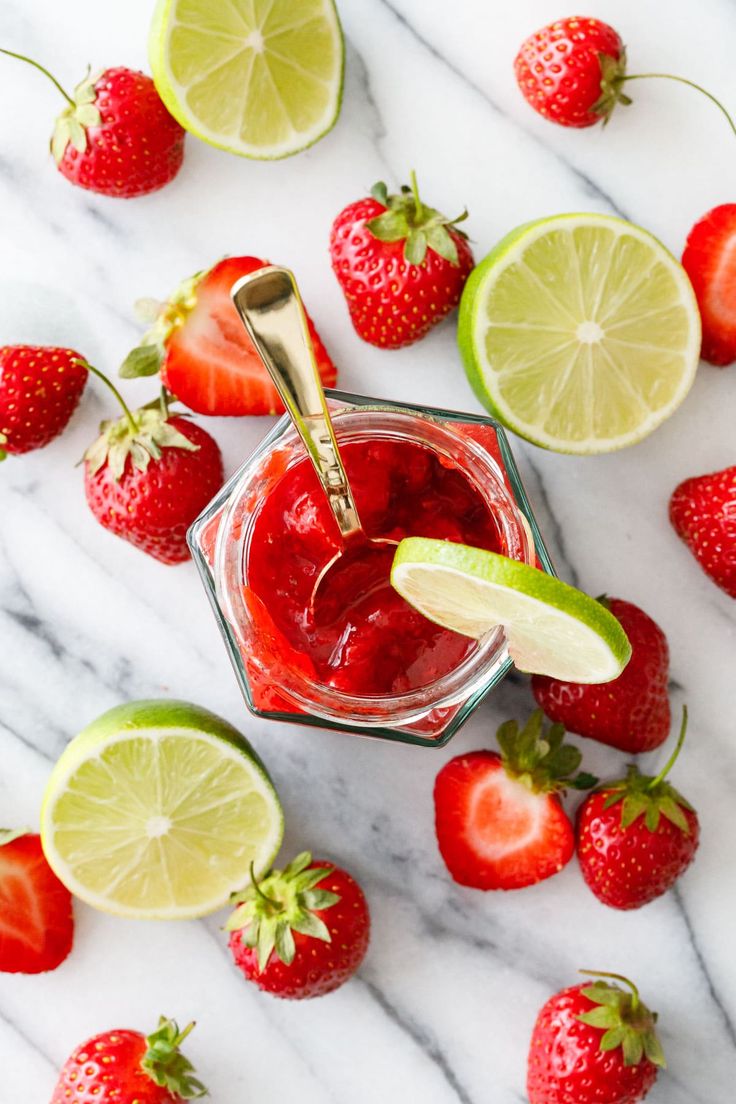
x=144, y=360
x=7, y=835
x=540, y=759
x=166, y=1066
x=268, y=912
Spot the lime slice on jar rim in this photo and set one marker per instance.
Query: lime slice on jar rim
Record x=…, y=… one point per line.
x=156, y=810
x=551, y=628
x=580, y=333
x=259, y=78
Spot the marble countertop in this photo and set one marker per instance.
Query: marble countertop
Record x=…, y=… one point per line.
x=442, y=1008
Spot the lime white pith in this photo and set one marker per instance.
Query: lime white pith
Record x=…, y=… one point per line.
x=260, y=78
x=551, y=628
x=159, y=820
x=580, y=332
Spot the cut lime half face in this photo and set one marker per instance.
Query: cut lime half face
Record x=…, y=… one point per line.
x=551, y=628
x=157, y=810
x=260, y=78
x=580, y=332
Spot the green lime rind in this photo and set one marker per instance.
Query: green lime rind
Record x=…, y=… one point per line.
x=430, y=573
x=165, y=86
x=227, y=754
x=471, y=341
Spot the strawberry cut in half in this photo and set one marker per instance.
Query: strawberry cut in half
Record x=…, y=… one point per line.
x=499, y=820
x=36, y=921
x=710, y=262
x=204, y=355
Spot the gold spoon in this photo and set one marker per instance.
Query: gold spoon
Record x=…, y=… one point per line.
x=271, y=310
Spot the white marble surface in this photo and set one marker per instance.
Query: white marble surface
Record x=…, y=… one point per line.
x=442, y=1008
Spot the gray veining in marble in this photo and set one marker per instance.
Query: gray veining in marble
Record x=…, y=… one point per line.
x=442, y=1008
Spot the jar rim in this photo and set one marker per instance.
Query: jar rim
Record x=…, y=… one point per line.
x=236, y=526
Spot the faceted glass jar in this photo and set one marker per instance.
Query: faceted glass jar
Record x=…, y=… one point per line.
x=273, y=682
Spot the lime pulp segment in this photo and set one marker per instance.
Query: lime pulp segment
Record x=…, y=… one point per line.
x=260, y=78
x=580, y=332
x=159, y=822
x=551, y=628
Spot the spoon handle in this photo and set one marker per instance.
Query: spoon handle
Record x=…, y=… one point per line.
x=270, y=307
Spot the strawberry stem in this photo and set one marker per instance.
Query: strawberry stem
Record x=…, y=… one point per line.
x=673, y=757
x=101, y=375
x=417, y=201
x=254, y=881
x=36, y=65
x=681, y=80
x=616, y=977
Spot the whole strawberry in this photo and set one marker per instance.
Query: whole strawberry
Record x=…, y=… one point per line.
x=401, y=265
x=149, y=475
x=573, y=72
x=632, y=713
x=128, y=1067
x=300, y=932
x=636, y=836
x=710, y=261
x=40, y=388
x=115, y=136
x=703, y=514
x=499, y=820
x=36, y=920
x=205, y=357
x=594, y=1044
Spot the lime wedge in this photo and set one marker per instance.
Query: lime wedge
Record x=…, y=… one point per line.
x=157, y=809
x=580, y=332
x=261, y=78
x=551, y=628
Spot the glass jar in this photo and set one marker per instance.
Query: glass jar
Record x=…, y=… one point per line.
x=275, y=681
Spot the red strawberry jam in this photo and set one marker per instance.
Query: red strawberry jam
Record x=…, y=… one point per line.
x=361, y=638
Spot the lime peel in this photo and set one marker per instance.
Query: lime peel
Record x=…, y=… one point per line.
x=157, y=810
x=580, y=332
x=551, y=628
x=250, y=78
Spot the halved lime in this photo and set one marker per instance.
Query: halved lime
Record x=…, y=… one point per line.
x=551, y=628
x=261, y=78
x=157, y=809
x=580, y=332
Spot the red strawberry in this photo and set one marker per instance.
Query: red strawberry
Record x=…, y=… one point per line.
x=499, y=820
x=401, y=265
x=631, y=713
x=40, y=387
x=573, y=72
x=149, y=475
x=636, y=836
x=710, y=262
x=127, y=1067
x=703, y=513
x=115, y=136
x=300, y=932
x=594, y=1044
x=203, y=353
x=36, y=921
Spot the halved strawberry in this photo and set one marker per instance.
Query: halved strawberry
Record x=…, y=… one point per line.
x=36, y=922
x=498, y=818
x=710, y=262
x=203, y=353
